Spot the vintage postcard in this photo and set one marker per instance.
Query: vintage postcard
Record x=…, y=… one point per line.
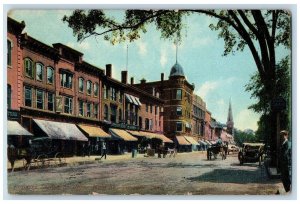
x=149, y=102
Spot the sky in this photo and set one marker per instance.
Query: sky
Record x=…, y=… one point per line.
x=218, y=79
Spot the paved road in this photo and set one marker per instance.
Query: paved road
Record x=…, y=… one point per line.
x=187, y=174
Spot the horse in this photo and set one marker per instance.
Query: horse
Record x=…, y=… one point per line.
x=14, y=154
x=214, y=150
x=172, y=152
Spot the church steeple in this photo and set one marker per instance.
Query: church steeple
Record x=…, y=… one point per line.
x=230, y=123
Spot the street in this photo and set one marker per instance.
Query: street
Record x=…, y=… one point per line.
x=187, y=174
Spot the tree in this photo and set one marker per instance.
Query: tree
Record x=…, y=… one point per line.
x=262, y=31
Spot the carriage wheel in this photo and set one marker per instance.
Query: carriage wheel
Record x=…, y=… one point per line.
x=60, y=159
x=42, y=161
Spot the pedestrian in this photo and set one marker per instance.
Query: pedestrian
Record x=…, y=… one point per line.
x=103, y=150
x=284, y=160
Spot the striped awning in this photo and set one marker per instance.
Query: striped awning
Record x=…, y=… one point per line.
x=191, y=140
x=94, y=131
x=182, y=141
x=132, y=99
x=14, y=128
x=163, y=138
x=122, y=134
x=128, y=98
x=60, y=130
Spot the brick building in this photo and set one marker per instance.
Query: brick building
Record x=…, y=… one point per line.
x=177, y=94
x=198, y=117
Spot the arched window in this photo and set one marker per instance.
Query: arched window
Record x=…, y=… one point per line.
x=39, y=71
x=89, y=87
x=96, y=88
x=50, y=75
x=105, y=112
x=28, y=64
x=80, y=84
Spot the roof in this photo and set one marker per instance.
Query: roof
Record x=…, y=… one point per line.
x=93, y=131
x=14, y=128
x=176, y=70
x=122, y=134
x=60, y=130
x=182, y=141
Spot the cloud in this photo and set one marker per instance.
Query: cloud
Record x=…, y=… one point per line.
x=163, y=58
x=79, y=46
x=142, y=46
x=206, y=88
x=246, y=119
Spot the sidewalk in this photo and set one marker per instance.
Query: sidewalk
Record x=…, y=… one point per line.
x=80, y=160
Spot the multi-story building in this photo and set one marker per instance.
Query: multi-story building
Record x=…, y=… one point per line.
x=177, y=94
x=198, y=117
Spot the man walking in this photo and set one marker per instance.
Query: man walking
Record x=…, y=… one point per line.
x=103, y=150
x=285, y=160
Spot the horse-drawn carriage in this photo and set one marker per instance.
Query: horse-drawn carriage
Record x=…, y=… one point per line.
x=214, y=150
x=38, y=152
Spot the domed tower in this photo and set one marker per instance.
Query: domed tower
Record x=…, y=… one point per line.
x=176, y=71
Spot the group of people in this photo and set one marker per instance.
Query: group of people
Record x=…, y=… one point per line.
x=87, y=149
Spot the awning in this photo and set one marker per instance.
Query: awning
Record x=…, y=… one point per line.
x=140, y=134
x=14, y=128
x=134, y=100
x=138, y=101
x=122, y=134
x=191, y=140
x=182, y=141
x=202, y=142
x=61, y=131
x=128, y=98
x=163, y=138
x=93, y=131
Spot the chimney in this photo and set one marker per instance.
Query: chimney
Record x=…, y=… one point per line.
x=162, y=76
x=124, y=77
x=131, y=80
x=143, y=81
x=108, y=70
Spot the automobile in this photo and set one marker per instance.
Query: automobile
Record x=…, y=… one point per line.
x=232, y=148
x=251, y=153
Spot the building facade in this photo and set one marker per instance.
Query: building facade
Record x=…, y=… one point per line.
x=198, y=117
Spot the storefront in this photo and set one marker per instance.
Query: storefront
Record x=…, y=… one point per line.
x=121, y=141
x=183, y=145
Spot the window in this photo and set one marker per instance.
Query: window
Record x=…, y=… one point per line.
x=28, y=96
x=179, y=111
x=28, y=64
x=39, y=71
x=146, y=124
x=81, y=108
x=50, y=101
x=9, y=48
x=50, y=75
x=40, y=99
x=105, y=94
x=179, y=126
x=179, y=94
x=66, y=79
x=150, y=124
x=113, y=94
x=96, y=89
x=113, y=116
x=89, y=87
x=96, y=110
x=80, y=84
x=68, y=105
x=105, y=112
x=88, y=109
x=8, y=96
